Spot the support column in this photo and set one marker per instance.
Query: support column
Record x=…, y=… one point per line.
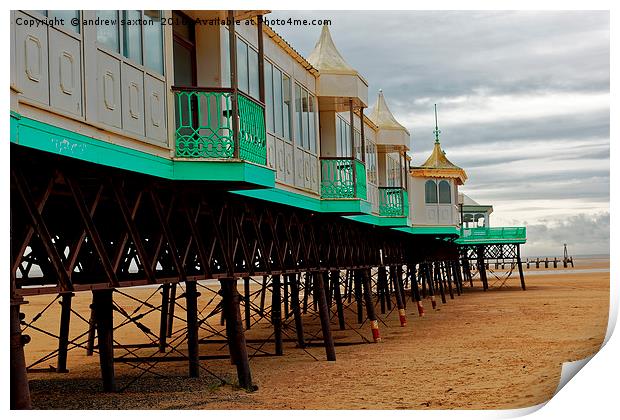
x=439, y=281
x=234, y=332
x=193, y=350
x=20, y=392
x=335, y=274
x=415, y=291
x=276, y=313
x=358, y=295
x=103, y=306
x=319, y=296
x=401, y=285
x=163, y=320
x=246, y=298
x=63, y=335
x=520, y=265
x=172, y=305
x=370, y=307
x=296, y=306
x=381, y=278
x=402, y=316
x=448, y=277
x=234, y=84
x=482, y=267
x=92, y=329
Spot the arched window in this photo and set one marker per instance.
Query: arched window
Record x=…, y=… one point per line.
x=479, y=219
x=430, y=192
x=444, y=192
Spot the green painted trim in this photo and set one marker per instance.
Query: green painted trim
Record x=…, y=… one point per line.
x=288, y=198
x=489, y=241
x=371, y=219
x=430, y=230
x=48, y=138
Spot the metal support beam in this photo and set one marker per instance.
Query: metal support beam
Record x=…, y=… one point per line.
x=234, y=331
x=20, y=392
x=402, y=316
x=163, y=319
x=191, y=302
x=63, y=334
x=338, y=297
x=482, y=267
x=299, y=326
x=276, y=313
x=520, y=266
x=370, y=307
x=103, y=307
x=319, y=295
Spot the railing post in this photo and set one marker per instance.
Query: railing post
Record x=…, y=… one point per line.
x=232, y=48
x=362, y=138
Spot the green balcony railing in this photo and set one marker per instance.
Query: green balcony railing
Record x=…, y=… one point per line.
x=393, y=202
x=342, y=178
x=204, y=125
x=492, y=234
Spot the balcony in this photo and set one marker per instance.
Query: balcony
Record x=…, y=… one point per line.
x=393, y=202
x=206, y=127
x=488, y=235
x=342, y=178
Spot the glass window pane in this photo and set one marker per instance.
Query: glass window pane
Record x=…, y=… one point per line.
x=242, y=66
x=107, y=33
x=66, y=16
x=277, y=100
x=444, y=192
x=154, y=40
x=305, y=128
x=226, y=49
x=430, y=192
x=132, y=36
x=183, y=63
x=253, y=72
x=298, y=137
x=269, y=96
x=286, y=106
x=312, y=131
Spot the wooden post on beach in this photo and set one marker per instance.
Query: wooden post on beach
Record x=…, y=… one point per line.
x=335, y=274
x=234, y=331
x=163, y=317
x=370, y=307
x=307, y=285
x=172, y=305
x=520, y=266
x=456, y=275
x=299, y=326
x=193, y=351
x=92, y=330
x=439, y=281
x=103, y=306
x=286, y=296
x=247, y=303
x=358, y=295
x=263, y=292
x=448, y=277
x=415, y=290
x=402, y=316
x=555, y=262
x=482, y=268
x=429, y=280
x=381, y=287
x=276, y=313
x=422, y=268
x=319, y=296
x=400, y=284
x=63, y=334
x=20, y=392
x=546, y=262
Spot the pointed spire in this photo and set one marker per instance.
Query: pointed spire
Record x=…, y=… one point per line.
x=325, y=57
x=382, y=116
x=436, y=131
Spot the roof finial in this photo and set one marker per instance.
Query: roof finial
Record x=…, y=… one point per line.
x=436, y=131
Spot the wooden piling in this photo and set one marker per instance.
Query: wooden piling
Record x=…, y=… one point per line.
x=520, y=266
x=358, y=296
x=20, y=392
x=247, y=303
x=276, y=313
x=234, y=331
x=63, y=334
x=193, y=350
x=172, y=305
x=439, y=281
x=448, y=278
x=401, y=285
x=319, y=295
x=399, y=297
x=415, y=290
x=482, y=268
x=335, y=281
x=370, y=307
x=103, y=306
x=296, y=307
x=163, y=319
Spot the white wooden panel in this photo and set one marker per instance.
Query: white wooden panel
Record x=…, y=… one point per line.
x=431, y=215
x=108, y=89
x=288, y=163
x=155, y=109
x=132, y=82
x=32, y=60
x=299, y=168
x=280, y=170
x=271, y=151
x=65, y=65
x=307, y=170
x=314, y=173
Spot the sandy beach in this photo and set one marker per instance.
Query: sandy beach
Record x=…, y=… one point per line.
x=497, y=349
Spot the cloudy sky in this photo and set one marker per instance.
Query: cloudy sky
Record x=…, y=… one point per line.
x=523, y=102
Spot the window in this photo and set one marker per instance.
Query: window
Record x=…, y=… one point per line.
x=444, y=192
x=430, y=192
x=305, y=123
x=107, y=35
x=253, y=73
x=286, y=106
x=312, y=124
x=140, y=28
x=343, y=137
x=66, y=15
x=277, y=100
x=269, y=97
x=242, y=66
x=298, y=116
x=371, y=161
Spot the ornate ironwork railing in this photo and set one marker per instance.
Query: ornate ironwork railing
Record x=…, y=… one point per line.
x=492, y=234
x=393, y=202
x=205, y=125
x=343, y=178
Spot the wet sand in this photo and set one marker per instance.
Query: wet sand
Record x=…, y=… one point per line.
x=497, y=349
